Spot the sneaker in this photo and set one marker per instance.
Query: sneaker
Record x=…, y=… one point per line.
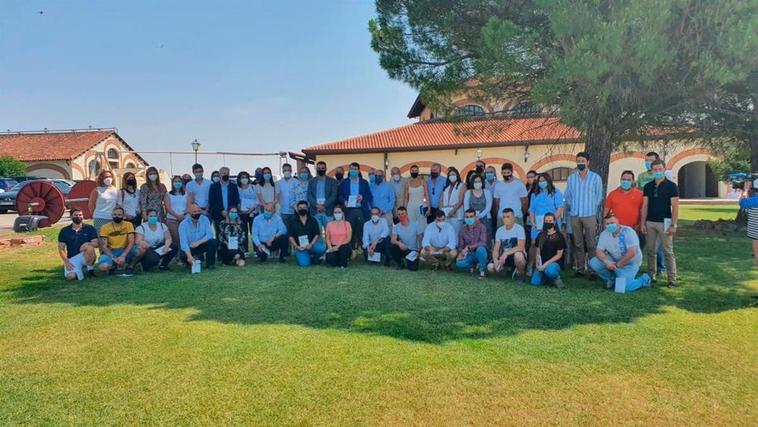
x=578, y=273
x=646, y=281
x=672, y=285
x=558, y=283
x=129, y=272
x=472, y=270
x=520, y=279
x=482, y=275
x=610, y=284
x=163, y=267
x=91, y=273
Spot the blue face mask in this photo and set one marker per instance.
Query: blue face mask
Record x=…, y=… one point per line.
x=613, y=227
x=267, y=214
x=626, y=185
x=371, y=179
x=469, y=221
x=178, y=185
x=353, y=173
x=266, y=176
x=377, y=180
x=490, y=176
x=303, y=176
x=543, y=185
x=659, y=175
x=152, y=220
x=648, y=164
x=233, y=216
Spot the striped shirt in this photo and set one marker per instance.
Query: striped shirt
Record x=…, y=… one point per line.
x=583, y=197
x=751, y=205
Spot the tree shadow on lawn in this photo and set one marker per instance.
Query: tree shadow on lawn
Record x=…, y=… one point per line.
x=424, y=306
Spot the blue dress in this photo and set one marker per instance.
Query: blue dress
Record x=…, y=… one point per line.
x=542, y=203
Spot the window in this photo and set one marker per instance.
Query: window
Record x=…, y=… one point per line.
x=93, y=167
x=473, y=110
x=113, y=165
x=113, y=153
x=559, y=174
x=525, y=108
x=130, y=165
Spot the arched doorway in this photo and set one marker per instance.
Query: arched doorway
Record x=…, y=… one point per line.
x=696, y=180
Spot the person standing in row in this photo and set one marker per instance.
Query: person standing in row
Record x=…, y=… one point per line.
x=339, y=174
x=435, y=185
x=223, y=196
x=176, y=206
x=452, y=199
x=660, y=214
x=510, y=193
x=749, y=202
x=546, y=199
x=285, y=189
x=198, y=189
x=478, y=170
x=339, y=235
x=416, y=197
x=480, y=200
x=152, y=194
x=383, y=197
x=103, y=199
x=583, y=199
x=128, y=198
x=322, y=195
x=266, y=190
x=354, y=193
x=626, y=203
x=405, y=238
x=248, y=204
x=398, y=187
x=642, y=180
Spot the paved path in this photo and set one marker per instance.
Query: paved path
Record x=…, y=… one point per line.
x=6, y=222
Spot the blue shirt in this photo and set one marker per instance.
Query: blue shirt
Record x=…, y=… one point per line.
x=190, y=233
x=320, y=189
x=373, y=232
x=355, y=187
x=265, y=229
x=583, y=196
x=384, y=197
x=435, y=189
x=408, y=234
x=286, y=195
x=225, y=195
x=543, y=202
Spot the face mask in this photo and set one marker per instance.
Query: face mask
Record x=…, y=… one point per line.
x=378, y=180
x=479, y=170
x=76, y=220
x=414, y=174
x=338, y=216
x=478, y=185
x=178, y=185
x=266, y=176
x=198, y=175
x=320, y=172
x=612, y=227
x=233, y=216
x=648, y=164
x=195, y=216
x=543, y=185
x=371, y=179
x=659, y=175
x=131, y=181
x=581, y=166
x=244, y=181
x=375, y=218
x=216, y=179
x=468, y=221
x=259, y=176
x=439, y=225
x=302, y=212
x=490, y=176
x=152, y=177
x=396, y=177
x=507, y=177
x=152, y=220
x=353, y=173
x=225, y=178
x=339, y=176
x=118, y=219
x=626, y=185
x=548, y=226
x=303, y=176
x=453, y=178
x=435, y=175
x=267, y=214
x=287, y=174
x=108, y=181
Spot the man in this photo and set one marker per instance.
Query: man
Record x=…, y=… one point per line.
x=472, y=244
x=490, y=178
x=510, y=193
x=117, y=244
x=398, y=186
x=269, y=234
x=354, y=193
x=660, y=214
x=478, y=170
x=196, y=238
x=439, y=243
x=285, y=187
x=383, y=196
x=435, y=184
x=198, y=189
x=510, y=247
x=76, y=247
x=305, y=236
x=376, y=233
x=647, y=176
x=625, y=202
x=339, y=174
x=583, y=198
x=322, y=195
x=405, y=238
x=618, y=256
x=222, y=196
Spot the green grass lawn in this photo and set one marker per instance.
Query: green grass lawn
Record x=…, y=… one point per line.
x=277, y=344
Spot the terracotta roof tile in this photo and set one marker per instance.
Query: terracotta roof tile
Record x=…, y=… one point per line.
x=457, y=134
x=49, y=146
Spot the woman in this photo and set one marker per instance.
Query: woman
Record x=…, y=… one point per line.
x=301, y=186
x=451, y=199
x=338, y=236
x=544, y=198
x=480, y=200
x=266, y=190
x=103, y=199
x=215, y=177
x=531, y=184
x=551, y=244
x=128, y=198
x=248, y=204
x=232, y=239
x=416, y=195
x=750, y=204
x=186, y=178
x=154, y=243
x=175, y=202
x=152, y=194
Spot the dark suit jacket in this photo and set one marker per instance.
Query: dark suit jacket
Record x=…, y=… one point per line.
x=343, y=194
x=330, y=193
x=216, y=203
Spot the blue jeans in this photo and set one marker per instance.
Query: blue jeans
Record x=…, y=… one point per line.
x=472, y=258
x=305, y=258
x=105, y=259
x=552, y=272
x=323, y=219
x=627, y=272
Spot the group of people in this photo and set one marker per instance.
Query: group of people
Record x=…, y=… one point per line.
x=480, y=224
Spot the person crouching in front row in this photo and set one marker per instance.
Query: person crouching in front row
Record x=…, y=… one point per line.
x=550, y=246
x=232, y=239
x=510, y=247
x=472, y=244
x=404, y=242
x=76, y=246
x=196, y=238
x=154, y=243
x=618, y=256
x=439, y=243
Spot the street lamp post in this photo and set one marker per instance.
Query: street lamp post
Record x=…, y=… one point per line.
x=195, y=147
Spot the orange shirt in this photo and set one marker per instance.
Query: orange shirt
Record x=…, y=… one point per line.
x=626, y=206
x=338, y=233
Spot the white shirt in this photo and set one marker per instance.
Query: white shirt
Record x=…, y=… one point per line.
x=129, y=201
x=439, y=237
x=509, y=238
x=616, y=246
x=200, y=192
x=178, y=203
x=375, y=231
x=107, y=199
x=153, y=238
x=510, y=194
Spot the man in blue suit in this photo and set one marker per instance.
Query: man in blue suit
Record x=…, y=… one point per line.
x=221, y=197
x=355, y=195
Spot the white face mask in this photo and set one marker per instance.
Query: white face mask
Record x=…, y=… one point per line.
x=216, y=179
x=287, y=174
x=108, y=181
x=244, y=181
x=338, y=216
x=453, y=178
x=375, y=218
x=396, y=177
x=152, y=177
x=478, y=185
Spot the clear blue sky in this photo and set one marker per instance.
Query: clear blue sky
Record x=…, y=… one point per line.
x=238, y=75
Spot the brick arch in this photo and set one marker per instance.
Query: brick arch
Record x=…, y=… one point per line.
x=488, y=161
x=38, y=166
x=551, y=159
x=363, y=168
x=422, y=164
x=626, y=155
x=75, y=167
x=679, y=157
x=134, y=159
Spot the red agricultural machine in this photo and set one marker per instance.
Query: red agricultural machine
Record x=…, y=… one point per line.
x=42, y=204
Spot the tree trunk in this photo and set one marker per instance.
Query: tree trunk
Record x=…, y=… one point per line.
x=753, y=153
x=600, y=145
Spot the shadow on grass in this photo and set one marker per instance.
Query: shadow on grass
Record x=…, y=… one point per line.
x=425, y=306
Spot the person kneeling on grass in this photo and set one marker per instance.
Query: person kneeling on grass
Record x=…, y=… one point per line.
x=117, y=248
x=196, y=238
x=305, y=236
x=376, y=233
x=510, y=247
x=232, y=239
x=618, y=256
x=76, y=246
x=338, y=236
x=550, y=245
x=269, y=234
x=439, y=243
x=472, y=244
x=154, y=243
